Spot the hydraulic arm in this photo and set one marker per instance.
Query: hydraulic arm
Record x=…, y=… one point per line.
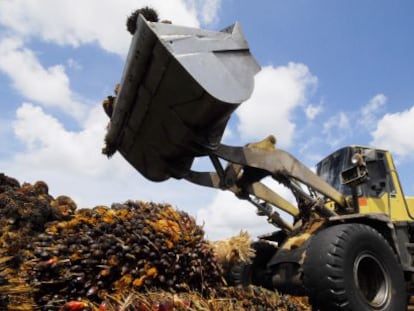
x=248, y=165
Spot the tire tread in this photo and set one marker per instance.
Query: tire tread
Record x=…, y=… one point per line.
x=327, y=284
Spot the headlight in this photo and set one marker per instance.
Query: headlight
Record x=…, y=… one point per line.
x=357, y=159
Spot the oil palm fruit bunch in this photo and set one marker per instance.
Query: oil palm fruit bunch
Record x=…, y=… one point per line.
x=131, y=256
x=133, y=246
x=149, y=13
x=25, y=210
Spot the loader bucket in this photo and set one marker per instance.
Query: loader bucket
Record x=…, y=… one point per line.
x=178, y=90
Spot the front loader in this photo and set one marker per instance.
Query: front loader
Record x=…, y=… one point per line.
x=350, y=245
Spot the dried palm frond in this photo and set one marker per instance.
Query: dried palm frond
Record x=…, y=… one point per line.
x=234, y=249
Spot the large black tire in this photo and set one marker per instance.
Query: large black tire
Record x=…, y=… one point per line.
x=352, y=267
x=254, y=273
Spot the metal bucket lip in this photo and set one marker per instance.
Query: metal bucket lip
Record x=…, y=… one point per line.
x=230, y=40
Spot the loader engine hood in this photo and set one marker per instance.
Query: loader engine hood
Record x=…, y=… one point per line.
x=178, y=90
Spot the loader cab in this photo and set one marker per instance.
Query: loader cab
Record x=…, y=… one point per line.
x=379, y=191
x=377, y=182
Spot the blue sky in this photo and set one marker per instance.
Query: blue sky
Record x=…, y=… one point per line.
x=334, y=73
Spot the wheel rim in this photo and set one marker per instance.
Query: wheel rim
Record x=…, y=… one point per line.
x=372, y=280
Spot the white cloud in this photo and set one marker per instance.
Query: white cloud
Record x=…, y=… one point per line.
x=72, y=63
x=48, y=86
x=207, y=9
x=278, y=91
x=65, y=22
x=395, y=133
x=337, y=129
x=310, y=149
x=312, y=111
x=50, y=146
x=370, y=111
x=209, y=12
x=71, y=163
x=227, y=215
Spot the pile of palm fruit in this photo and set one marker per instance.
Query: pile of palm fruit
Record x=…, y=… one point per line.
x=131, y=256
x=24, y=213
